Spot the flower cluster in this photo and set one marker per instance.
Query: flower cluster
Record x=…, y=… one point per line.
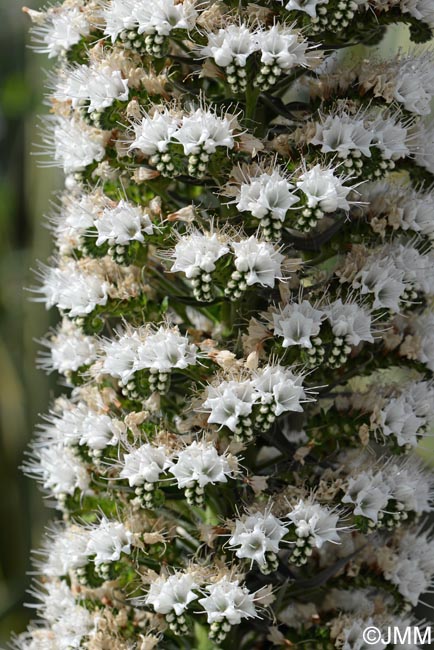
x=243, y=268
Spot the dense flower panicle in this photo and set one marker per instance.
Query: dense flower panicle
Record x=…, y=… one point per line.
x=243, y=268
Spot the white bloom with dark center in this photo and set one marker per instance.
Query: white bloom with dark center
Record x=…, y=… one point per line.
x=200, y=464
x=350, y=321
x=197, y=252
x=309, y=7
x=165, y=350
x=62, y=28
x=324, y=190
x=108, y=541
x=144, y=465
x=69, y=349
x=155, y=132
x=229, y=401
x=233, y=44
x=314, y=521
x=259, y=261
x=369, y=493
x=228, y=601
x=281, y=388
x=266, y=195
x=205, y=131
x=75, y=145
x=123, y=224
x=282, y=46
x=297, y=324
x=343, y=134
x=173, y=593
x=257, y=534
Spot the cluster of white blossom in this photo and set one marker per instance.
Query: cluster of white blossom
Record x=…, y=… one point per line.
x=243, y=269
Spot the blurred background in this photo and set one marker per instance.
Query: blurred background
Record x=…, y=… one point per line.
x=25, y=192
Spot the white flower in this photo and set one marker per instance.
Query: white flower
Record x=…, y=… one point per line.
x=200, y=464
x=381, y=277
x=257, y=534
x=353, y=636
x=229, y=401
x=413, y=82
x=342, y=134
x=97, y=85
x=411, y=485
x=76, y=145
x=259, y=261
x=324, y=190
x=69, y=349
x=398, y=419
x=73, y=627
x=282, y=46
x=227, y=601
x=424, y=146
x=390, y=137
x=62, y=28
x=421, y=9
x=120, y=357
x=231, y=45
x=307, y=6
x=204, y=131
x=278, y=386
x=144, y=465
x=108, y=541
x=73, y=290
x=75, y=217
x=298, y=323
x=163, y=16
x=100, y=430
x=266, y=195
x=59, y=469
x=56, y=600
x=66, y=551
x=198, y=252
x=123, y=224
x=423, y=327
x=164, y=350
x=118, y=15
x=174, y=593
x=315, y=521
x=369, y=493
x=350, y=321
x=155, y=132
